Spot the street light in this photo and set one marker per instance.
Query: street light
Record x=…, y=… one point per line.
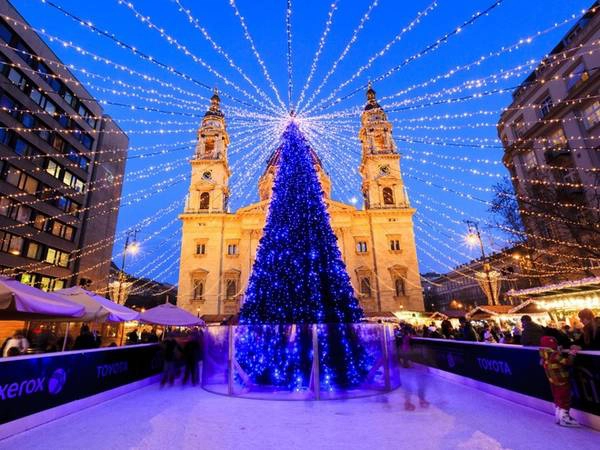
x=473, y=238
x=132, y=248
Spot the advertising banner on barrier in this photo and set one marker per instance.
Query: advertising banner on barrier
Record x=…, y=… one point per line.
x=33, y=384
x=510, y=367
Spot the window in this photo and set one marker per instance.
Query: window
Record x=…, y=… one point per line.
x=10, y=243
x=529, y=160
x=399, y=287
x=388, y=196
x=519, y=127
x=545, y=106
x=22, y=213
x=65, y=204
x=28, y=120
x=204, y=200
x=39, y=221
x=365, y=287
x=53, y=169
x=34, y=250
x=200, y=249
x=86, y=140
x=577, y=76
x=20, y=147
x=198, y=290
x=21, y=180
x=7, y=103
x=591, y=115
x=6, y=33
x=36, y=96
x=5, y=206
x=16, y=78
x=209, y=146
x=395, y=245
x=557, y=139
x=361, y=247
x=57, y=257
x=232, y=249
x=45, y=283
x=58, y=143
x=62, y=230
x=68, y=96
x=231, y=290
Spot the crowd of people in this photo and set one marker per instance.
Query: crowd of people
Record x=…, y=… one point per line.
x=557, y=347
x=46, y=340
x=527, y=332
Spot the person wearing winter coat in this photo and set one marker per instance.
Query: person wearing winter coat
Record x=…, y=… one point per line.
x=532, y=332
x=590, y=338
x=18, y=342
x=556, y=365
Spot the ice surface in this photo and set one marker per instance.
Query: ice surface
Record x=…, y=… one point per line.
x=452, y=416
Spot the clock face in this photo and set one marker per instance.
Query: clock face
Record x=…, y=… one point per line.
x=384, y=170
x=207, y=175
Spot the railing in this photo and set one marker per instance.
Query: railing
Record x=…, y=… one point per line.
x=34, y=383
x=511, y=367
x=278, y=361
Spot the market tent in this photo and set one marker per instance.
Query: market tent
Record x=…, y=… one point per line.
x=438, y=316
x=454, y=314
x=384, y=316
x=169, y=315
x=487, y=311
x=19, y=301
x=97, y=308
x=528, y=307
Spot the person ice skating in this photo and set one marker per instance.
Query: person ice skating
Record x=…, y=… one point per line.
x=170, y=351
x=556, y=365
x=191, y=358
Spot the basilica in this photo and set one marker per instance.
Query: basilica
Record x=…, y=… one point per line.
x=377, y=242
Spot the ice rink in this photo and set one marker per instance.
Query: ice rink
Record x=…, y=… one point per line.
x=452, y=417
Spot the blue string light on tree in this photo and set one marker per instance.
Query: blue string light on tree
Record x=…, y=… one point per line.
x=299, y=278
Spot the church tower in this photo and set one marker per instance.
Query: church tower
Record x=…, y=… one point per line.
x=209, y=187
x=382, y=184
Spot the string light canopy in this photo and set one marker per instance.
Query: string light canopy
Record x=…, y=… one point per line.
x=445, y=114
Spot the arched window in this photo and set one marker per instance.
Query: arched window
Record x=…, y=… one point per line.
x=209, y=146
x=204, y=200
x=388, y=196
x=231, y=288
x=399, y=285
x=198, y=293
x=365, y=286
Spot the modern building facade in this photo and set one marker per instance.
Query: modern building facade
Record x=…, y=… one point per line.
x=61, y=167
x=551, y=136
x=377, y=243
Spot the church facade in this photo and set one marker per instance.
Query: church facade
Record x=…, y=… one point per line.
x=377, y=242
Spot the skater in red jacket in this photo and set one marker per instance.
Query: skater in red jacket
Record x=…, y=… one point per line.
x=556, y=364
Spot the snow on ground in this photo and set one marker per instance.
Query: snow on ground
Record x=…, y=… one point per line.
x=452, y=417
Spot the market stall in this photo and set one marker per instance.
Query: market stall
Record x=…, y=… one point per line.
x=562, y=301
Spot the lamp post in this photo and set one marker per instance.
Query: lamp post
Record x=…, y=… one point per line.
x=473, y=238
x=132, y=248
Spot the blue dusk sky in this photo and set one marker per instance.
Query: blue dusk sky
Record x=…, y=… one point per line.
x=446, y=183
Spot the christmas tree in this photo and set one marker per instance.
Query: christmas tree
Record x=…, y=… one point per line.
x=299, y=275
x=299, y=278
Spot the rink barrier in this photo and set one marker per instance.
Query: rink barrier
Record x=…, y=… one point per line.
x=35, y=388
x=223, y=370
x=512, y=372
